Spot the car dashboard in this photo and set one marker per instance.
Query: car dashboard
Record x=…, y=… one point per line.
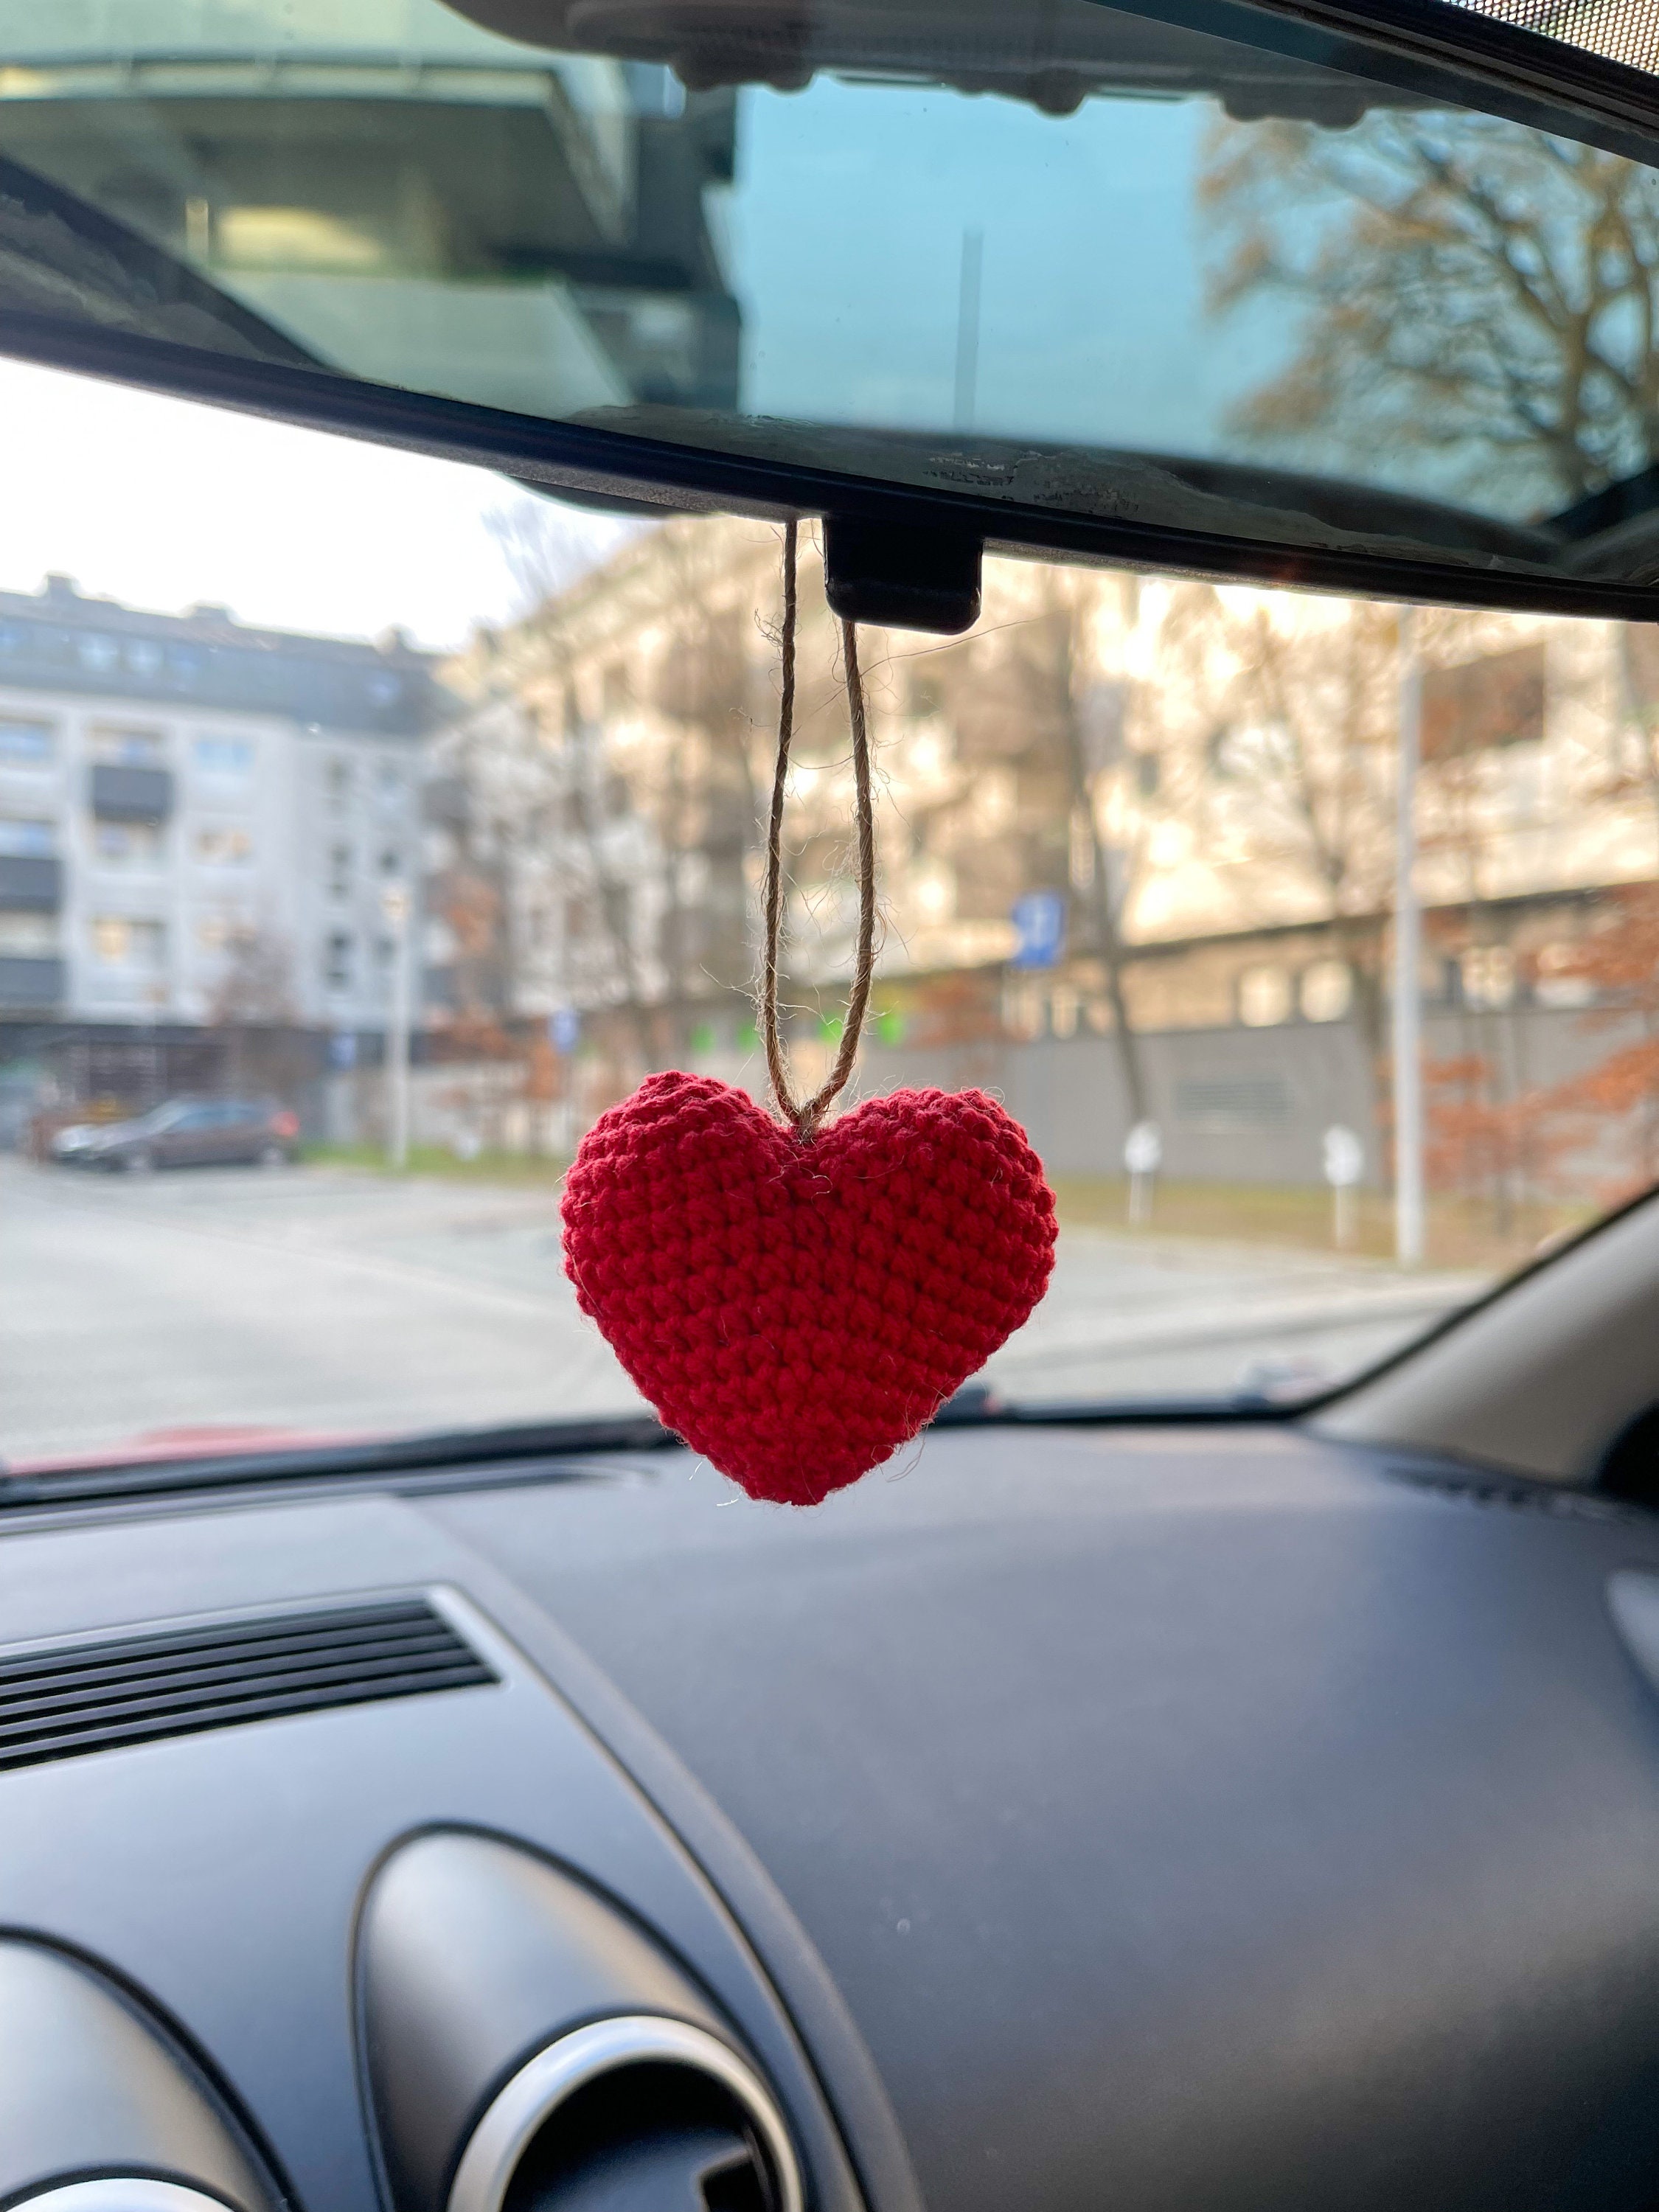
x=1170, y=1816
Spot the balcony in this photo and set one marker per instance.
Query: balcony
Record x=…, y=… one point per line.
x=31, y=986
x=30, y=883
x=131, y=794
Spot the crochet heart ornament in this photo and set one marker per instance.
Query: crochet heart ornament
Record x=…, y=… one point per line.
x=797, y=1307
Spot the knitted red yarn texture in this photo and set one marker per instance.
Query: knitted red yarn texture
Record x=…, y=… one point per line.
x=797, y=1310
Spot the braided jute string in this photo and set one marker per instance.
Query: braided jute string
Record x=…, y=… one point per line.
x=807, y=1116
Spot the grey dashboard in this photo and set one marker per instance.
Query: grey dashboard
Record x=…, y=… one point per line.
x=1158, y=1817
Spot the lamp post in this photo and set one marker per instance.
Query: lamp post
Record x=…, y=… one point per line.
x=1408, y=964
x=395, y=909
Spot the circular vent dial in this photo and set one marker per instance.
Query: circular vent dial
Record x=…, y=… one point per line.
x=637, y=2114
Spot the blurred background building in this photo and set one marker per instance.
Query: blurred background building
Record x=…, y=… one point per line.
x=1137, y=854
x=1136, y=845
x=197, y=822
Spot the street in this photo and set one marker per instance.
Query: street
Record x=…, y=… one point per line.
x=332, y=1301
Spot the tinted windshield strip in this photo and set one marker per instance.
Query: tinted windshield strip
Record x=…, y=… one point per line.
x=576, y=459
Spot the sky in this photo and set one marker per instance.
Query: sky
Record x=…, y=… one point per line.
x=846, y=225
x=162, y=503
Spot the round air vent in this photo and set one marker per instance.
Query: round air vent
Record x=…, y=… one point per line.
x=630, y=2115
x=122, y=2193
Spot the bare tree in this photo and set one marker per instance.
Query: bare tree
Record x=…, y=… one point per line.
x=547, y=547
x=256, y=986
x=1053, y=652
x=1288, y=733
x=1470, y=291
x=254, y=1005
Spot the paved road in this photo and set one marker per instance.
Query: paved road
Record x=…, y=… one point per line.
x=328, y=1301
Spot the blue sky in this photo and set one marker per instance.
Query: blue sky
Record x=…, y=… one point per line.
x=846, y=225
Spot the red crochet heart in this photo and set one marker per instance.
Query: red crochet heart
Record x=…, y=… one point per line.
x=796, y=1309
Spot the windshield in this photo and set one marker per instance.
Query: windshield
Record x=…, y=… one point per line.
x=307, y=746
x=1081, y=259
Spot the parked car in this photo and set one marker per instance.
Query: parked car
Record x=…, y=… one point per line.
x=71, y=1142
x=189, y=1133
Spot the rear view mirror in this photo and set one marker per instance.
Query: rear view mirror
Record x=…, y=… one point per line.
x=1285, y=294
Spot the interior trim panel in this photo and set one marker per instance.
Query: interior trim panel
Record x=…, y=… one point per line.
x=1250, y=1818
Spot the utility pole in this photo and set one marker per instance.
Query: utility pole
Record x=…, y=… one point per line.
x=1407, y=963
x=395, y=907
x=967, y=382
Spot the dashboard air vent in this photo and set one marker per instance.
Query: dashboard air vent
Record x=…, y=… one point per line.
x=76, y=1698
x=629, y=2115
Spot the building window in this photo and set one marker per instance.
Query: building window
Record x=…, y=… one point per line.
x=1487, y=975
x=117, y=941
x=1558, y=980
x=1264, y=997
x=391, y=786
x=98, y=653
x=337, y=962
x=227, y=760
x=338, y=783
x=24, y=839
x=1326, y=991
x=28, y=936
x=129, y=844
x=27, y=745
x=128, y=748
x=1482, y=704
x=339, y=871
x=225, y=845
x=391, y=862
x=214, y=931
x=144, y=657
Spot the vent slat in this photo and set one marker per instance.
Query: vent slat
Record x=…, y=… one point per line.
x=159, y=1725
x=98, y=1697
x=185, y=1698
x=156, y=1678
x=234, y=1635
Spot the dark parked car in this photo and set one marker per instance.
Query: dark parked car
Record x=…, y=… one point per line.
x=191, y=1132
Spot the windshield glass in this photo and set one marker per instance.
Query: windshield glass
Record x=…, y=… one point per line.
x=1078, y=258
x=296, y=735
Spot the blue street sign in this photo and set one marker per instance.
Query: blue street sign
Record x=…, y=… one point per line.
x=1039, y=920
x=564, y=1030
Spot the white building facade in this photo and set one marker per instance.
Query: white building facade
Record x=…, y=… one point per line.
x=198, y=819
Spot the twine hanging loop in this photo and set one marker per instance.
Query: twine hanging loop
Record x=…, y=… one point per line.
x=807, y=1116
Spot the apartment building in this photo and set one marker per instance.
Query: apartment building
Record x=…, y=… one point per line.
x=1142, y=821
x=197, y=818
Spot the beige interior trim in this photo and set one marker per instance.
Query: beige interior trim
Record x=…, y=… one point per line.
x=1543, y=1378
